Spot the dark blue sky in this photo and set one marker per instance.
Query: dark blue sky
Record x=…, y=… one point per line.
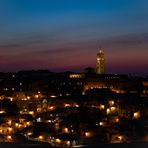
x=66, y=34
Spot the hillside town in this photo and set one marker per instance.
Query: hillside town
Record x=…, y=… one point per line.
x=70, y=109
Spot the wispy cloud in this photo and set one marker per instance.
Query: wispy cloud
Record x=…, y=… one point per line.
x=128, y=39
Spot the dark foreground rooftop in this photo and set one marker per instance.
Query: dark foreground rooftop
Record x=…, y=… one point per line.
x=25, y=145
x=121, y=145
x=46, y=145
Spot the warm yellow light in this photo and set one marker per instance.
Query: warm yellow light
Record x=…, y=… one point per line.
x=75, y=75
x=58, y=140
x=66, y=130
x=1, y=130
x=11, y=99
x=68, y=143
x=53, y=96
x=36, y=96
x=2, y=111
x=9, y=122
x=87, y=134
x=56, y=125
x=31, y=112
x=117, y=91
x=28, y=97
x=41, y=137
x=111, y=102
x=136, y=115
x=117, y=120
x=102, y=106
x=19, y=126
x=76, y=105
x=10, y=129
x=113, y=108
x=49, y=121
x=39, y=109
x=16, y=124
x=29, y=133
x=51, y=107
x=101, y=123
x=108, y=111
x=120, y=138
x=67, y=105
x=28, y=123
x=9, y=137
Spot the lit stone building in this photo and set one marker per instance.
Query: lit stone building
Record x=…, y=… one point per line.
x=116, y=83
x=100, y=63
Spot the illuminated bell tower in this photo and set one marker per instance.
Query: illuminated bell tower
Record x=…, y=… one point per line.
x=100, y=63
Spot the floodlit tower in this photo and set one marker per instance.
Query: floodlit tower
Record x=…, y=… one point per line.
x=100, y=63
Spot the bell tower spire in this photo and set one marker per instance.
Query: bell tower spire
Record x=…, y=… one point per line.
x=100, y=63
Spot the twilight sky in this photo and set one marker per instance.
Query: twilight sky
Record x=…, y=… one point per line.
x=65, y=34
